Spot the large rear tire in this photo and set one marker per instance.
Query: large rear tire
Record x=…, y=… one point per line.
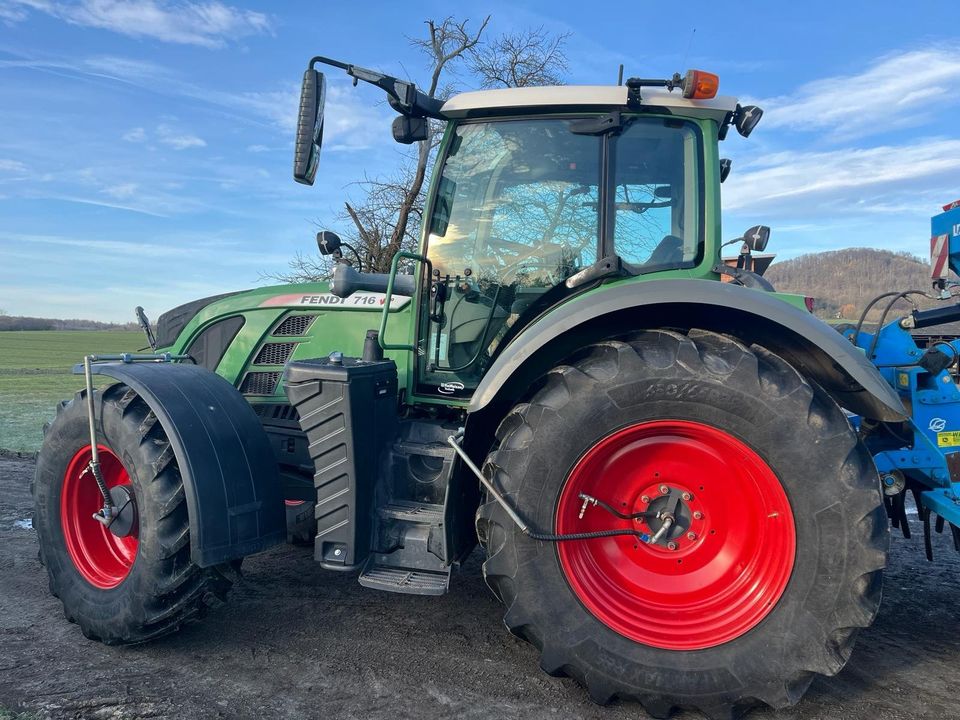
x=777, y=556
x=119, y=589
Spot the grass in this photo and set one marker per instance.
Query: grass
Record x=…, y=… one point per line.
x=35, y=374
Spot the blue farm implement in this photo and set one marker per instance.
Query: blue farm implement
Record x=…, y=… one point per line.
x=921, y=455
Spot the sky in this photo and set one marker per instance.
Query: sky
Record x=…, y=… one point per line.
x=146, y=146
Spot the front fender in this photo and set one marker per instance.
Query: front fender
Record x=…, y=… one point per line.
x=753, y=316
x=233, y=491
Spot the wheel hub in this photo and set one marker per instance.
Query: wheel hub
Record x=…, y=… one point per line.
x=680, y=506
x=720, y=539
x=102, y=555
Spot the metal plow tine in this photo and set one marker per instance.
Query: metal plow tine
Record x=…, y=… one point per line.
x=939, y=526
x=955, y=531
x=927, y=537
x=900, y=505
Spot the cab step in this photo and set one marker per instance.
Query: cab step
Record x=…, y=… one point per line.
x=410, y=511
x=408, y=551
x=404, y=580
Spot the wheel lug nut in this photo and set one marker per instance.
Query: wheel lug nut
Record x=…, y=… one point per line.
x=645, y=498
x=664, y=490
x=687, y=496
x=698, y=515
x=691, y=536
x=671, y=546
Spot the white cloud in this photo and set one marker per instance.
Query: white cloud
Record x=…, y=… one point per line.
x=257, y=148
x=178, y=140
x=12, y=12
x=135, y=135
x=900, y=90
x=122, y=191
x=843, y=178
x=13, y=166
x=208, y=23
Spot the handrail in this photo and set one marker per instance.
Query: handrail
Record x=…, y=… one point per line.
x=381, y=337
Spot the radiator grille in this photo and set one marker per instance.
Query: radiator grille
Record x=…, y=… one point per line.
x=274, y=353
x=294, y=325
x=260, y=383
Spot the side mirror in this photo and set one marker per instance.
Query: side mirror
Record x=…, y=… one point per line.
x=725, y=165
x=747, y=118
x=757, y=237
x=306, y=153
x=328, y=243
x=409, y=130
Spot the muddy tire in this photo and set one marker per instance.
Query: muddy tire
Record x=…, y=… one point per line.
x=778, y=549
x=126, y=589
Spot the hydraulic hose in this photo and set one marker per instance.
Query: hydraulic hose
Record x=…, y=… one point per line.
x=522, y=524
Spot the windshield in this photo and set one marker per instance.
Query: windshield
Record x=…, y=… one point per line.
x=521, y=205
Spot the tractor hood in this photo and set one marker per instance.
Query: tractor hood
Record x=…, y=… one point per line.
x=171, y=324
x=173, y=321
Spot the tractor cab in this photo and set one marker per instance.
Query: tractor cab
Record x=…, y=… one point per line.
x=541, y=194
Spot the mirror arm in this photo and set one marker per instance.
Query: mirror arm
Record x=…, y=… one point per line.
x=403, y=96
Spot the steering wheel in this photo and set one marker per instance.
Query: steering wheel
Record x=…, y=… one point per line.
x=668, y=251
x=499, y=246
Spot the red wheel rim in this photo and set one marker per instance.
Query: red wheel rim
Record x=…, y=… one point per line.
x=731, y=562
x=102, y=558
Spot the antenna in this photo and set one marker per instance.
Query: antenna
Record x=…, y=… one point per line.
x=620, y=75
x=693, y=31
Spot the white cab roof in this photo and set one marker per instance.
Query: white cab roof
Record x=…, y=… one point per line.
x=579, y=96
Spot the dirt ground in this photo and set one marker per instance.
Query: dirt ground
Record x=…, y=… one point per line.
x=296, y=641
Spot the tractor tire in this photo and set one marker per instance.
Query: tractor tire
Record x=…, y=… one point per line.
x=119, y=589
x=776, y=559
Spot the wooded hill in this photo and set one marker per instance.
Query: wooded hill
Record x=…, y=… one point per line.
x=844, y=281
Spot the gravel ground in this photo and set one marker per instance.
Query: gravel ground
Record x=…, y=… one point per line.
x=296, y=641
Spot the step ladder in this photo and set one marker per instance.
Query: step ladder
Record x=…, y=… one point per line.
x=408, y=549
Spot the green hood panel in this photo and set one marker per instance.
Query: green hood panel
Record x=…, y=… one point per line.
x=258, y=352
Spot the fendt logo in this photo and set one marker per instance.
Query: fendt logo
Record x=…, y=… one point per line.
x=449, y=388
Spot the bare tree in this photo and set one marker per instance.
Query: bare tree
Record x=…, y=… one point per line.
x=521, y=59
x=388, y=215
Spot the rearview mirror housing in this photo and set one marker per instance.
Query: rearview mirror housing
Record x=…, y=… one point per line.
x=306, y=153
x=757, y=238
x=409, y=130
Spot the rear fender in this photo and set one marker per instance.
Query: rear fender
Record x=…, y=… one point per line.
x=753, y=316
x=233, y=492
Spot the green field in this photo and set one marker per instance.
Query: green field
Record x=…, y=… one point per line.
x=35, y=375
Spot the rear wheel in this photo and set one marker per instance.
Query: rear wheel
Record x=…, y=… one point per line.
x=778, y=540
x=135, y=581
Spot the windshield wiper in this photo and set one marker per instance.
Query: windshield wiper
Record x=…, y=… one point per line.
x=610, y=266
x=598, y=125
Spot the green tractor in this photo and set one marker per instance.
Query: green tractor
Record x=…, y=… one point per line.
x=657, y=465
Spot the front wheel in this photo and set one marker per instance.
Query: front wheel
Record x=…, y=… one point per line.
x=134, y=581
x=774, y=553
